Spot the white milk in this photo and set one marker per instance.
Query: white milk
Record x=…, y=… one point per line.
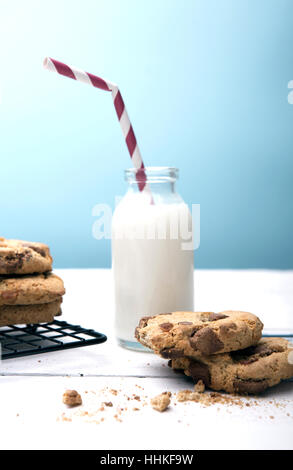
x=152, y=272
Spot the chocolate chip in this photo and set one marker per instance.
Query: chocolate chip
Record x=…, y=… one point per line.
x=216, y=316
x=13, y=263
x=250, y=386
x=171, y=353
x=243, y=354
x=254, y=353
x=35, y=248
x=199, y=371
x=185, y=323
x=263, y=350
x=206, y=341
x=166, y=326
x=226, y=327
x=245, y=362
x=143, y=322
x=266, y=350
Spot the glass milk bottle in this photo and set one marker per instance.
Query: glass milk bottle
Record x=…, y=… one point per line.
x=152, y=252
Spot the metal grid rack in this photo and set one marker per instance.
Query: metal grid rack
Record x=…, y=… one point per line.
x=17, y=341
x=288, y=335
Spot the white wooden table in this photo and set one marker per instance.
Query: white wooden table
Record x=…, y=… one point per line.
x=33, y=416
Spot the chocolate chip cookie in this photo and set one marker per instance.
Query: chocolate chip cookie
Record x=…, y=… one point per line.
x=193, y=334
x=22, y=257
x=248, y=371
x=30, y=289
x=29, y=314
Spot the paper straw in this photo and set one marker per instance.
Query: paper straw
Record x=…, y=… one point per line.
x=126, y=127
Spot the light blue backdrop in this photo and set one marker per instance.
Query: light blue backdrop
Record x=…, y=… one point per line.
x=206, y=86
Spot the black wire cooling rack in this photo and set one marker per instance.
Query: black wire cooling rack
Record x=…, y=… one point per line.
x=17, y=341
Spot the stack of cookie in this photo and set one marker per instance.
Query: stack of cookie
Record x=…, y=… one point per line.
x=29, y=292
x=224, y=350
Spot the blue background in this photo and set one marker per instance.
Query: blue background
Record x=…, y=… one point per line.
x=206, y=87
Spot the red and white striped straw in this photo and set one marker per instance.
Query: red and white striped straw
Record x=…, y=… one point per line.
x=126, y=127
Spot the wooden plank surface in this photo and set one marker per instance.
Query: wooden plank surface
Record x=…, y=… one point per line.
x=32, y=386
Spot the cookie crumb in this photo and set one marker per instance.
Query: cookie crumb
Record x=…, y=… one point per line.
x=72, y=398
x=209, y=399
x=187, y=395
x=161, y=402
x=65, y=418
x=199, y=387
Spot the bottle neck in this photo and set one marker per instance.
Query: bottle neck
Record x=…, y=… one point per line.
x=158, y=179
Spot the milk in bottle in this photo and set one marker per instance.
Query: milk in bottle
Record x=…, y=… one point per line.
x=152, y=252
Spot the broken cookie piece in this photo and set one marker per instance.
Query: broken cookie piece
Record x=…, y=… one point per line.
x=249, y=371
x=161, y=402
x=22, y=257
x=72, y=398
x=193, y=334
x=188, y=395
